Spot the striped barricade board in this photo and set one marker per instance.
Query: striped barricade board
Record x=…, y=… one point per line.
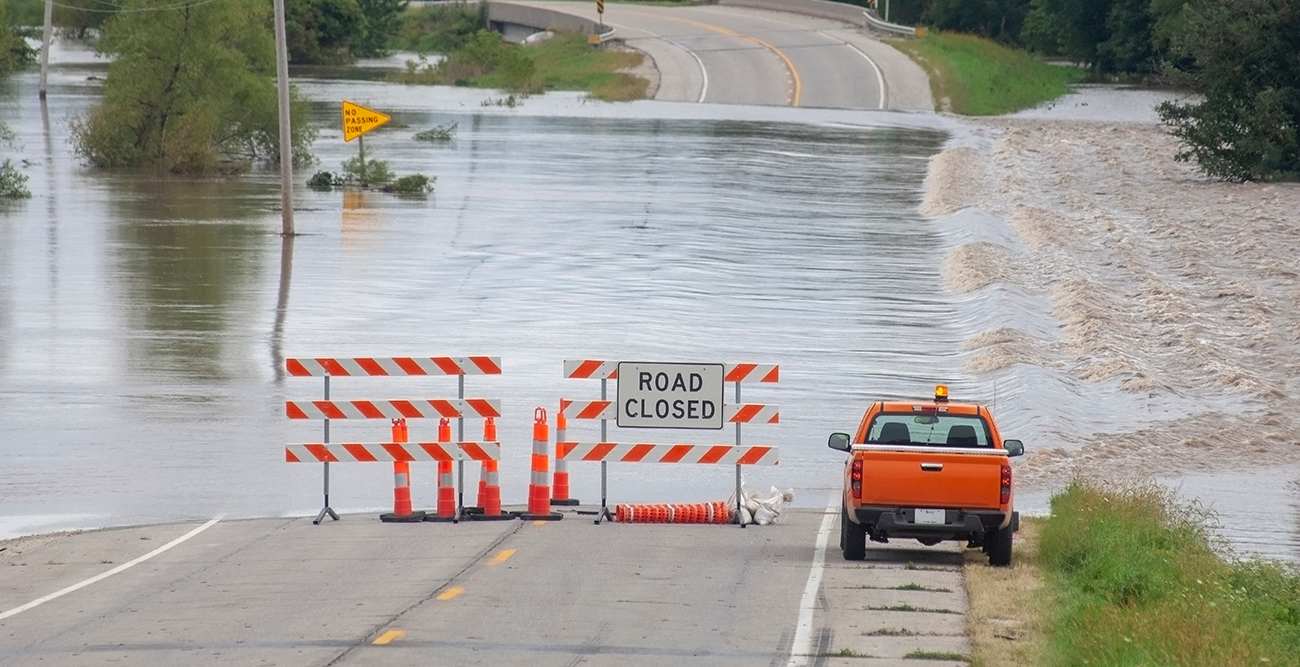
x=331, y=366
x=600, y=369
x=649, y=453
x=745, y=413
x=354, y=452
x=427, y=408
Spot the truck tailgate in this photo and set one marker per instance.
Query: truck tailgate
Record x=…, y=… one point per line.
x=930, y=477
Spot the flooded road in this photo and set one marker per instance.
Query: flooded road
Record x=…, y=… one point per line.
x=144, y=322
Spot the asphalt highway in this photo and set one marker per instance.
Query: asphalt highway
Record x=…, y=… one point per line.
x=732, y=55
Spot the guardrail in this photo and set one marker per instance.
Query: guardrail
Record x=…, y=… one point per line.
x=820, y=8
x=893, y=28
x=502, y=15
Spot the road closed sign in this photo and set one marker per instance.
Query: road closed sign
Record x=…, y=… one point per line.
x=670, y=395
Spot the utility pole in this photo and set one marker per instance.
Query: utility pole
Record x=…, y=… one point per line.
x=286, y=134
x=45, y=45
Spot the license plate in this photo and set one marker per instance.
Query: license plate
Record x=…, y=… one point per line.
x=930, y=517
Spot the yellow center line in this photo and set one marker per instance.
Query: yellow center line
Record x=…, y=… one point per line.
x=501, y=557
x=389, y=636
x=792, y=100
x=451, y=593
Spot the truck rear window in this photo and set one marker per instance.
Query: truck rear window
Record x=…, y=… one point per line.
x=929, y=429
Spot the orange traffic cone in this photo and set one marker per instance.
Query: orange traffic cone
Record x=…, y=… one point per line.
x=401, y=484
x=539, y=492
x=446, y=479
x=490, y=486
x=560, y=495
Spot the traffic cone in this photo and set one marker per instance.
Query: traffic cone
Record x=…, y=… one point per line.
x=560, y=494
x=401, y=484
x=539, y=492
x=446, y=479
x=490, y=486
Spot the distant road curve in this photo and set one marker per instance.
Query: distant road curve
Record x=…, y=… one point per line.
x=738, y=55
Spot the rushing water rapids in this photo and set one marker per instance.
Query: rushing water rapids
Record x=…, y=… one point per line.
x=144, y=321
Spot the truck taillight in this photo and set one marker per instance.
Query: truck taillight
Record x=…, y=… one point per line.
x=855, y=477
x=1006, y=484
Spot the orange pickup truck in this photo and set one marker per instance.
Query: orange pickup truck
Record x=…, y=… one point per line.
x=930, y=471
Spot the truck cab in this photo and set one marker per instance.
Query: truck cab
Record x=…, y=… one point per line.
x=930, y=470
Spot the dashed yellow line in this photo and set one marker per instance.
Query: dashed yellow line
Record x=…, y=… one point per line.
x=794, y=96
x=389, y=636
x=501, y=557
x=451, y=592
x=540, y=523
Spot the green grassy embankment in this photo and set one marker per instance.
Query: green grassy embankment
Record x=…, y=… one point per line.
x=565, y=62
x=1131, y=577
x=977, y=77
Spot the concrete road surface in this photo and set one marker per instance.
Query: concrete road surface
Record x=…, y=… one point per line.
x=733, y=55
x=361, y=592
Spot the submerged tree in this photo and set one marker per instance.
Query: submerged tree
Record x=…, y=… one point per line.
x=191, y=86
x=1243, y=56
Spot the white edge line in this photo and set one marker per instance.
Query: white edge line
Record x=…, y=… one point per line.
x=704, y=73
x=802, y=643
x=105, y=575
x=880, y=76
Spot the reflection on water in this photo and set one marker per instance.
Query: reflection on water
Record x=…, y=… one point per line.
x=185, y=253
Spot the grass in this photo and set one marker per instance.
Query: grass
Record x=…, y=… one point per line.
x=1130, y=577
x=907, y=607
x=977, y=77
x=565, y=62
x=937, y=655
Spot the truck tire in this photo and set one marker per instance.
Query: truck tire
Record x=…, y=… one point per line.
x=998, y=544
x=853, y=538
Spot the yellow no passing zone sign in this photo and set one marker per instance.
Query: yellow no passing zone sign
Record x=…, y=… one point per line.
x=358, y=120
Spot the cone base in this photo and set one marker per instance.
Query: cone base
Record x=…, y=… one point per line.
x=569, y=502
x=541, y=517
x=471, y=510
x=413, y=517
x=434, y=518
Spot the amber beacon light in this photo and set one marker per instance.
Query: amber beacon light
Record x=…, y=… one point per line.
x=941, y=394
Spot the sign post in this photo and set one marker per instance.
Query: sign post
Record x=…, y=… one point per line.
x=358, y=120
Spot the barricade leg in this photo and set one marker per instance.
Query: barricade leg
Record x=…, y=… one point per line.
x=539, y=491
x=560, y=491
x=446, y=480
x=402, y=512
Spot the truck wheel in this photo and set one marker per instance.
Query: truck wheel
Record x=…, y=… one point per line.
x=853, y=538
x=998, y=545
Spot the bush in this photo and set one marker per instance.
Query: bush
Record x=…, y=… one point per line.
x=325, y=180
x=368, y=173
x=415, y=184
x=13, y=183
x=1243, y=60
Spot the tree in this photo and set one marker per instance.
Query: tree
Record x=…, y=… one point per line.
x=323, y=31
x=191, y=86
x=1243, y=55
x=14, y=51
x=995, y=19
x=383, y=21
x=79, y=17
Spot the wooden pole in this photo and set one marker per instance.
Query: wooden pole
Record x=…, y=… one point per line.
x=45, y=46
x=286, y=133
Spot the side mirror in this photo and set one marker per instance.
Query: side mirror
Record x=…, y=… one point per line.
x=1014, y=447
x=839, y=441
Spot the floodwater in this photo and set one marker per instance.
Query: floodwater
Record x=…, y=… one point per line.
x=144, y=322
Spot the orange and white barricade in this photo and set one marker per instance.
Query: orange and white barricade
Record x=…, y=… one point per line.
x=400, y=452
x=604, y=410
